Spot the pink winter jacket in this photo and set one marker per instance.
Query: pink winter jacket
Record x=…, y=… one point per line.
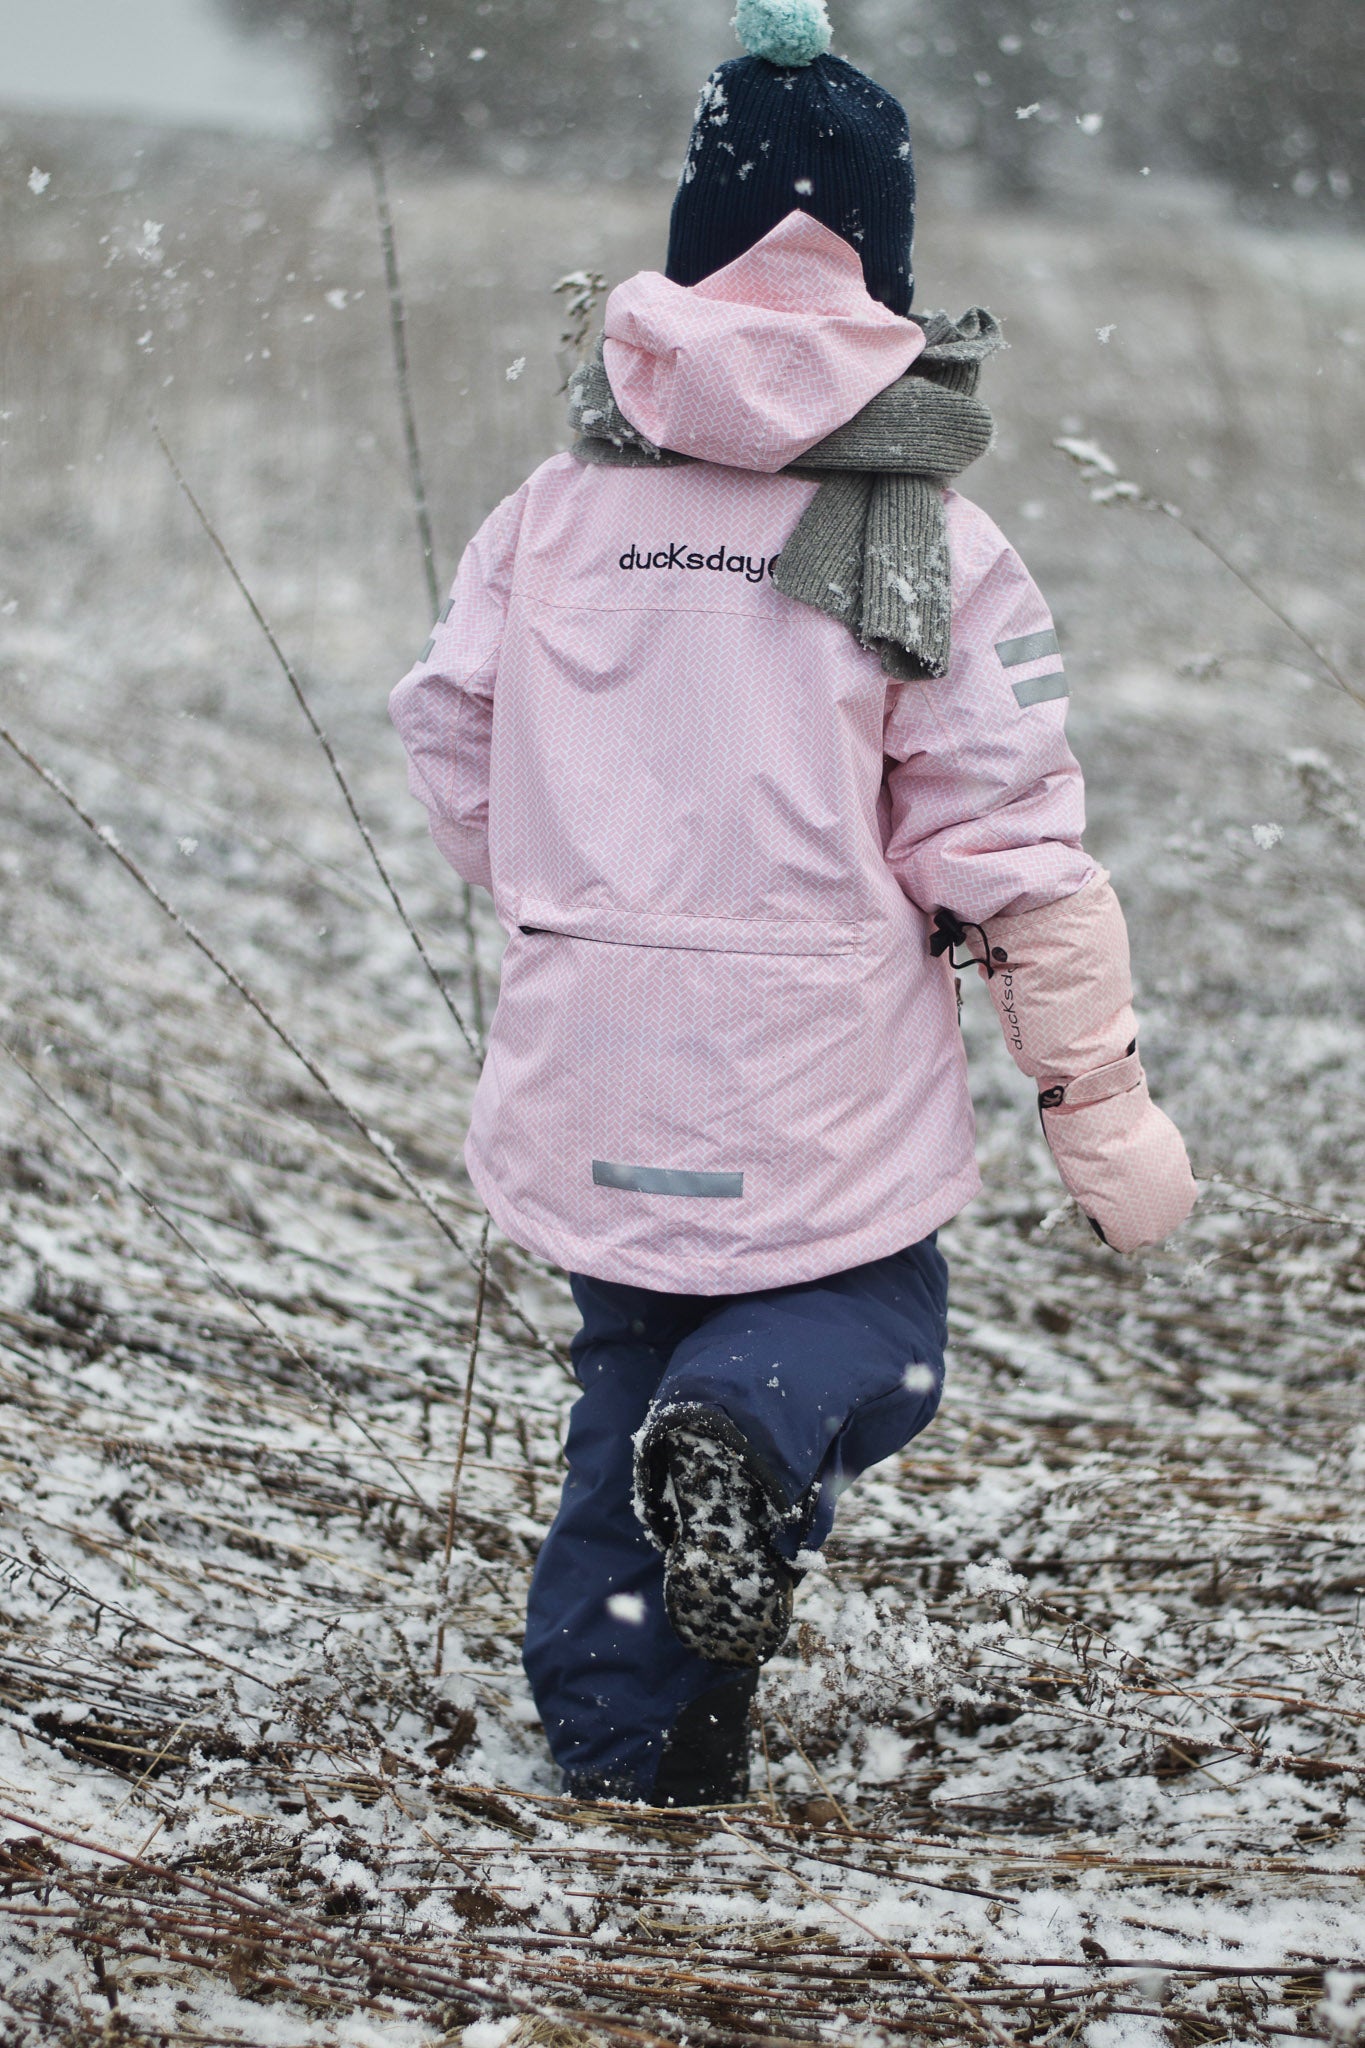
x=723, y=1057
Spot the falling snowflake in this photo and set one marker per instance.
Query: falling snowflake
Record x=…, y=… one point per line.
x=38, y=181
x=628, y=1607
x=515, y=369
x=1106, y=333
x=1267, y=836
x=338, y=300
x=1090, y=124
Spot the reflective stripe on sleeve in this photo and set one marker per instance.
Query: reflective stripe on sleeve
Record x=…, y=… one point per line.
x=1041, y=689
x=1029, y=647
x=446, y=609
x=425, y=655
x=664, y=1180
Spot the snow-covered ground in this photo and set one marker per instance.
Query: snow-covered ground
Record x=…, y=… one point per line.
x=1069, y=1747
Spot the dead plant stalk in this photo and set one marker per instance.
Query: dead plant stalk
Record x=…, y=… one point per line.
x=458, y=1473
x=218, y=1276
x=338, y=774
x=379, y=1143
x=1107, y=487
x=398, y=331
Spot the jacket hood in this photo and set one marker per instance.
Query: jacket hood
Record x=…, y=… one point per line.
x=759, y=361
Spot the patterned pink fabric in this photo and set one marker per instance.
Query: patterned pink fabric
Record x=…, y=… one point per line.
x=1125, y=1163
x=1063, y=983
x=803, y=345
x=727, y=833
x=1063, y=987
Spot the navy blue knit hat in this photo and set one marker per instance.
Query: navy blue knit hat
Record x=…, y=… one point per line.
x=791, y=126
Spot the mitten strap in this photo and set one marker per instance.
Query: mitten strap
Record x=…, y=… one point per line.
x=1115, y=1079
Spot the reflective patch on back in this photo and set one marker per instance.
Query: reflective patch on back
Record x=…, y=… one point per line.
x=665, y=1180
x=1028, y=647
x=1041, y=689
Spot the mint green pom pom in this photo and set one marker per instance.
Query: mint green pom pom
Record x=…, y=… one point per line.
x=784, y=31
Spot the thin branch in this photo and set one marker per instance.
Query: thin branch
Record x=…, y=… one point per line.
x=384, y=1146
x=368, y=124
x=220, y=1279
x=458, y=1473
x=39, y=1561
x=1107, y=487
x=301, y=699
x=979, y=2023
x=368, y=100
x=268, y=1915
x=468, y=1394
x=1247, y=582
x=1284, y=1205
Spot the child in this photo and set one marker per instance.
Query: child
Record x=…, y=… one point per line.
x=746, y=719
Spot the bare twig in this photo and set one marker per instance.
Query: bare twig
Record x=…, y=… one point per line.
x=301, y=699
x=39, y=1561
x=1283, y=1205
x=377, y=1141
x=220, y=1279
x=158, y=1758
x=980, y=2024
x=368, y=124
x=458, y=1473
x=398, y=331
x=384, y=1961
x=794, y=1740
x=1101, y=472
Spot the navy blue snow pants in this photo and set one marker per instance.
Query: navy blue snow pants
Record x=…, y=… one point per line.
x=822, y=1380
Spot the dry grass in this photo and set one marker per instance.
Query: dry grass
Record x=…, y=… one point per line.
x=1070, y=1745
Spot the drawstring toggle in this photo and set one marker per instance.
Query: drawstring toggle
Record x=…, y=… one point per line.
x=952, y=931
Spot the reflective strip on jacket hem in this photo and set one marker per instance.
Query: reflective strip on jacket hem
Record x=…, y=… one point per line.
x=1028, y=647
x=665, y=1180
x=1041, y=689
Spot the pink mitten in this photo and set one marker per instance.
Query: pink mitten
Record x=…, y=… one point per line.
x=1061, y=981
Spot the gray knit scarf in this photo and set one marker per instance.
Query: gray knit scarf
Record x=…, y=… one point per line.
x=871, y=549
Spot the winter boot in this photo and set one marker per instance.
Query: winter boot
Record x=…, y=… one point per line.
x=727, y=1592
x=706, y=1756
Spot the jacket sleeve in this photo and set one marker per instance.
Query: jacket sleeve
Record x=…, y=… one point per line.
x=443, y=708
x=1061, y=983
x=986, y=815
x=985, y=798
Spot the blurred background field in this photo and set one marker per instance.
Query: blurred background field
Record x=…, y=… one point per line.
x=1131, y=1749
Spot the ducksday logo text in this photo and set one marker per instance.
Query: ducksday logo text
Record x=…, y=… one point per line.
x=720, y=562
